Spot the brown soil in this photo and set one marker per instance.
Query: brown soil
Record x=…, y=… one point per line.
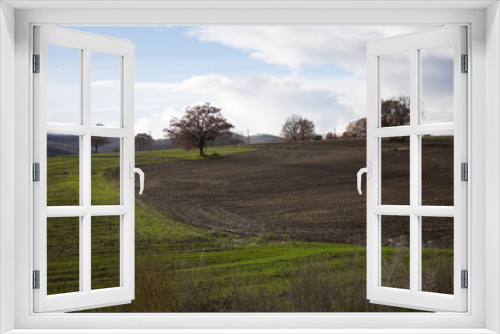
x=305, y=191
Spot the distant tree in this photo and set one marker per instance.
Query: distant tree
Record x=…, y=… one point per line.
x=306, y=130
x=298, y=128
x=290, y=129
x=395, y=112
x=99, y=141
x=330, y=136
x=143, y=142
x=356, y=129
x=228, y=138
x=318, y=137
x=200, y=125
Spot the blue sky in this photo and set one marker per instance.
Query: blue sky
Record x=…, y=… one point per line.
x=257, y=75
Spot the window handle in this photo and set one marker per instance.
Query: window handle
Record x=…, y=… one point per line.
x=141, y=176
x=368, y=171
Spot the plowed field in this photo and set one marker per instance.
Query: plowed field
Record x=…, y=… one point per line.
x=305, y=191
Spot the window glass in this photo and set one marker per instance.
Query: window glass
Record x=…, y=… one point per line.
x=437, y=254
x=63, y=85
x=395, y=170
x=105, y=252
x=436, y=104
x=63, y=170
x=437, y=170
x=105, y=176
x=105, y=90
x=63, y=255
x=395, y=89
x=395, y=267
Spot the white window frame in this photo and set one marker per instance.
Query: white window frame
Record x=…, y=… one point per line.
x=483, y=314
x=86, y=297
x=411, y=44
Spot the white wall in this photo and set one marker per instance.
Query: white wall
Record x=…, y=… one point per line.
x=7, y=162
x=492, y=163
x=141, y=17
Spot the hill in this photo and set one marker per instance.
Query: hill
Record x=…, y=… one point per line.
x=58, y=145
x=261, y=138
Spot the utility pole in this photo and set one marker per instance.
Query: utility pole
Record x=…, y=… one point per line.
x=248, y=135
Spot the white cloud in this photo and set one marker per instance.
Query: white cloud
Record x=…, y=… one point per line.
x=258, y=103
x=114, y=83
x=296, y=46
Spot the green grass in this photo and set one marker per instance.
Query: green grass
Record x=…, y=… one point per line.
x=149, y=157
x=181, y=268
x=63, y=233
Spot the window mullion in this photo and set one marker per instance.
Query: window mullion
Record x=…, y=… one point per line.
x=85, y=255
x=85, y=155
x=414, y=171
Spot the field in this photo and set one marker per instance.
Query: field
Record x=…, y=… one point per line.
x=263, y=228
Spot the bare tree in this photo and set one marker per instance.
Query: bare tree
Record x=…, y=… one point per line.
x=298, y=128
x=143, y=142
x=99, y=141
x=306, y=130
x=395, y=112
x=199, y=125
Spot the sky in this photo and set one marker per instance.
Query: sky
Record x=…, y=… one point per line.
x=257, y=75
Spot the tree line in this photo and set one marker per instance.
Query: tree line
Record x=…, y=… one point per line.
x=393, y=112
x=202, y=124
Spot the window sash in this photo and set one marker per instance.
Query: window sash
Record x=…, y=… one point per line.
x=413, y=298
x=85, y=298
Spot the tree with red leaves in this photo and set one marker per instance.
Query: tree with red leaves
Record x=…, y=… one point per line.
x=356, y=129
x=200, y=124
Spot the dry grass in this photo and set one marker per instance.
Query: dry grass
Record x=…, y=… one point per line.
x=163, y=284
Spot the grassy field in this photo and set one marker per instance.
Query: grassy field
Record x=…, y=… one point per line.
x=185, y=268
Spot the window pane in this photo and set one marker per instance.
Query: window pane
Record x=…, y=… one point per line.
x=395, y=89
x=395, y=170
x=63, y=170
x=395, y=252
x=105, y=171
x=437, y=254
x=63, y=255
x=437, y=170
x=436, y=104
x=105, y=90
x=63, y=85
x=105, y=237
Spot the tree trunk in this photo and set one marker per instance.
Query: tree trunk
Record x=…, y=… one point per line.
x=96, y=149
x=201, y=150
